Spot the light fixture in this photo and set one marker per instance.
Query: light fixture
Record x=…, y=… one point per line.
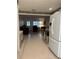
x=50, y=9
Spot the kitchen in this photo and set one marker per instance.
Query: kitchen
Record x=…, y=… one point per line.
x=46, y=32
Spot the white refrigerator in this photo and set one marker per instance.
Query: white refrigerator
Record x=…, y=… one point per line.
x=54, y=34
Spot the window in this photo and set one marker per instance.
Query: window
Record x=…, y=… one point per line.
x=28, y=23
x=35, y=23
x=38, y=23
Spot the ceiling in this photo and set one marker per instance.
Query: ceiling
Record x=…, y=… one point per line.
x=39, y=6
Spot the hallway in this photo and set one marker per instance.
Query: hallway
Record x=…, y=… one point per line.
x=35, y=48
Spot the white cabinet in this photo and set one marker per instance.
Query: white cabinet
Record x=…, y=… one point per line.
x=54, y=34
x=55, y=46
x=21, y=35
x=19, y=40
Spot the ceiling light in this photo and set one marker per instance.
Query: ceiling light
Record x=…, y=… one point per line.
x=50, y=9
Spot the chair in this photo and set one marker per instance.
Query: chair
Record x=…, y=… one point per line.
x=35, y=29
x=25, y=30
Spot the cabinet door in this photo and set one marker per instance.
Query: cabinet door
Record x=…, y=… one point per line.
x=54, y=46
x=56, y=26
x=54, y=29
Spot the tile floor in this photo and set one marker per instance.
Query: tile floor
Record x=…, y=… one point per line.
x=35, y=48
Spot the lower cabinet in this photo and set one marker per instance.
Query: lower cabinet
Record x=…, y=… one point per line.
x=55, y=47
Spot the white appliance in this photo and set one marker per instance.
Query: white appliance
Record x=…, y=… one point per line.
x=54, y=34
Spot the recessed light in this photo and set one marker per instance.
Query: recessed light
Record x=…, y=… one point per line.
x=50, y=9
